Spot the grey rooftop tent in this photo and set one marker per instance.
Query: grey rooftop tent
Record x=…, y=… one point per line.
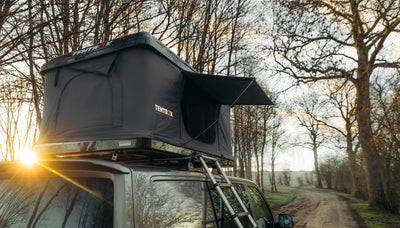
x=136, y=88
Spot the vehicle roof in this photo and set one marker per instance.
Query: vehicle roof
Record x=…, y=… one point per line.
x=86, y=164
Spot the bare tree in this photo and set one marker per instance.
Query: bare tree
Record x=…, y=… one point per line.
x=386, y=100
x=334, y=171
x=265, y=116
x=340, y=97
x=17, y=125
x=286, y=177
x=325, y=40
x=276, y=132
x=250, y=125
x=308, y=108
x=13, y=30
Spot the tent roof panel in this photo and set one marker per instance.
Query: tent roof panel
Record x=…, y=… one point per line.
x=134, y=40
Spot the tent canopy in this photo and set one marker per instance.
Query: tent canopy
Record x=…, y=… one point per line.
x=229, y=90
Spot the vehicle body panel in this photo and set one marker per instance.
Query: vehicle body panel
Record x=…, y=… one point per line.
x=127, y=180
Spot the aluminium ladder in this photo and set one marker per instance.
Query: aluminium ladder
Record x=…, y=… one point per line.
x=221, y=194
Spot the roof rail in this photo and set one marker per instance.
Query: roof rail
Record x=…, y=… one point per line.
x=138, y=151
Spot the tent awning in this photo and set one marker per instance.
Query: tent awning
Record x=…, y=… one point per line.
x=229, y=90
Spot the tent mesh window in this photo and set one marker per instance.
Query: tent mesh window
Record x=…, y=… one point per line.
x=200, y=114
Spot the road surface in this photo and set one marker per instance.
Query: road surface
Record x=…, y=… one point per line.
x=320, y=209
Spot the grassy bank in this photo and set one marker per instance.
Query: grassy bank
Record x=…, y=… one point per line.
x=372, y=217
x=375, y=218
x=278, y=199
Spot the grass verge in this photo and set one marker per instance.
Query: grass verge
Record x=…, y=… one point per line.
x=279, y=199
x=375, y=218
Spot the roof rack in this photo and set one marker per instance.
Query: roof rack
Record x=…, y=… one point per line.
x=138, y=151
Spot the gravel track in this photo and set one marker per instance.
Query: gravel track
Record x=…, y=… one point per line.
x=319, y=209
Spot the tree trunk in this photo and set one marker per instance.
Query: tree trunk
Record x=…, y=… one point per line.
x=264, y=139
x=255, y=146
x=33, y=80
x=249, y=166
x=65, y=12
x=355, y=175
x=240, y=145
x=262, y=170
x=235, y=141
x=202, y=47
x=273, y=156
x=316, y=166
x=376, y=194
x=233, y=37
x=273, y=182
x=248, y=144
x=257, y=169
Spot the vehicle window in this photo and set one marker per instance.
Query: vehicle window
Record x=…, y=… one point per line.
x=172, y=204
x=56, y=202
x=259, y=208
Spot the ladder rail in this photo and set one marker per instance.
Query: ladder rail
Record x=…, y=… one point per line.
x=236, y=194
x=221, y=193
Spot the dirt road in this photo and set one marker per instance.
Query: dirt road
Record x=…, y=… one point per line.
x=320, y=209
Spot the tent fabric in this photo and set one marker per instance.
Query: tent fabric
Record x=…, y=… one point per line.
x=140, y=90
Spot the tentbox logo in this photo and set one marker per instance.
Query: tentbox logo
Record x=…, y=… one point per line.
x=164, y=110
x=90, y=49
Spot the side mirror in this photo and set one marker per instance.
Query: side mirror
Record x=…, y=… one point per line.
x=285, y=221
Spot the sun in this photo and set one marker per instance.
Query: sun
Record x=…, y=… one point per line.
x=28, y=157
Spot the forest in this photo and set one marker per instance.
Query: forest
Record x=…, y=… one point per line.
x=331, y=67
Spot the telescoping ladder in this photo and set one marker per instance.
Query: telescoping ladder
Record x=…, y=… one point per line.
x=233, y=214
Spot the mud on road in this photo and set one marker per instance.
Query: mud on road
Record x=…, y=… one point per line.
x=320, y=209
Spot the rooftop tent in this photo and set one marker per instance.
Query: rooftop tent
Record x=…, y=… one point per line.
x=135, y=88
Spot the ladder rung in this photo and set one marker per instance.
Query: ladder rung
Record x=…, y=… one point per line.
x=242, y=214
x=224, y=185
x=210, y=158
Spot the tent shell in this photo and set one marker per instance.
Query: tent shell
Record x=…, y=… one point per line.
x=246, y=91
